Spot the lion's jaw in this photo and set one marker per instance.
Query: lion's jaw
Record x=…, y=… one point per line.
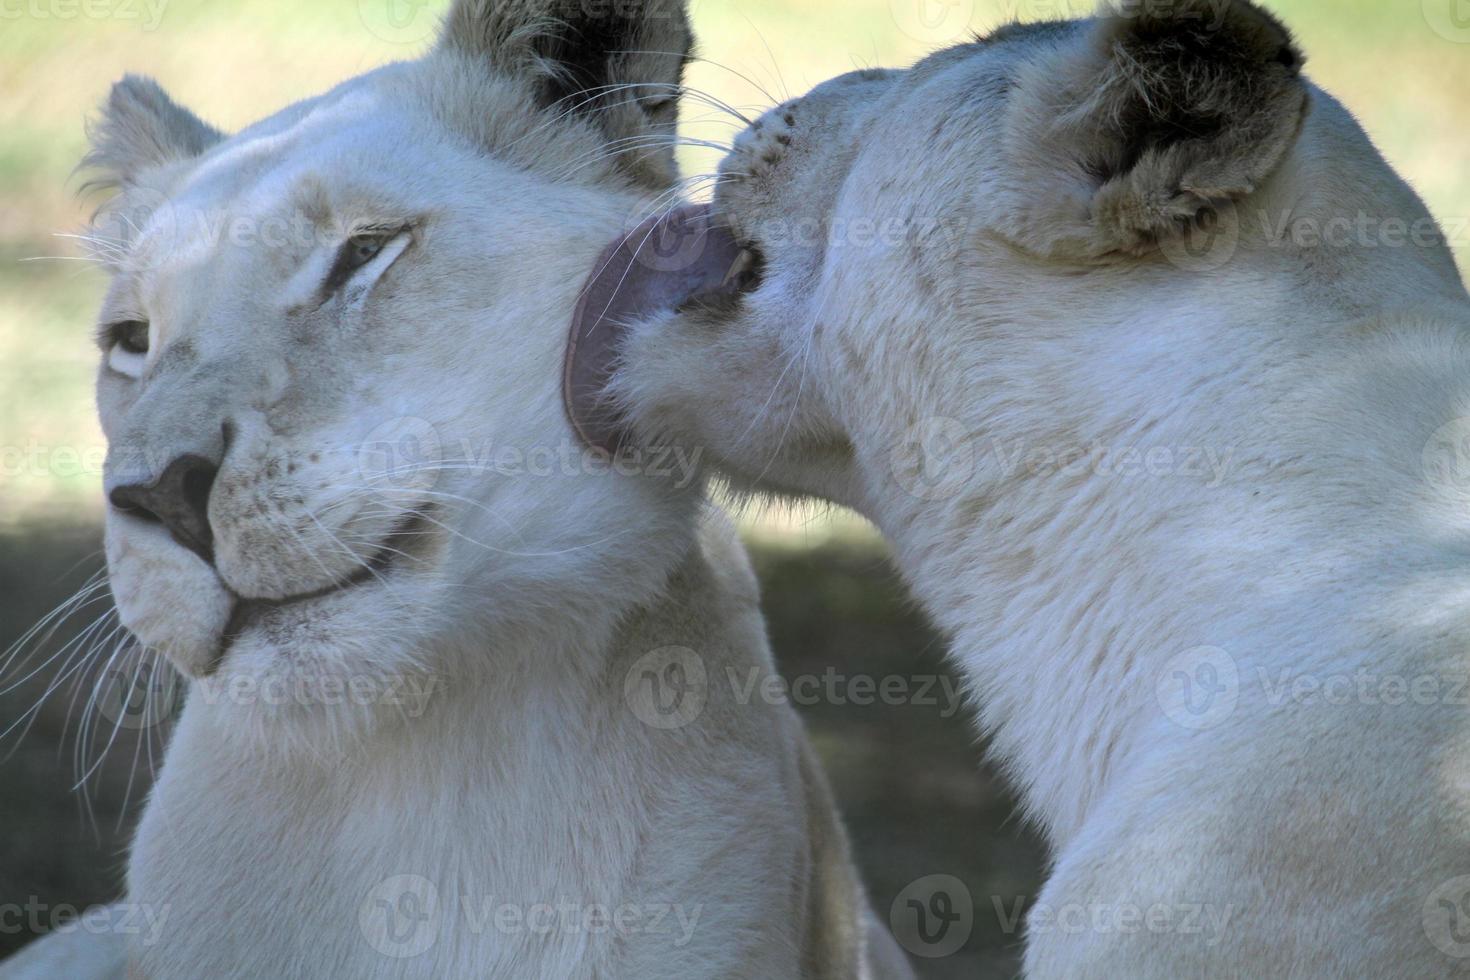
x=397, y=486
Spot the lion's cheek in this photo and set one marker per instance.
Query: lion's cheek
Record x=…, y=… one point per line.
x=167, y=596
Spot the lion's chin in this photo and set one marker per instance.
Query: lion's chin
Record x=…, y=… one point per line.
x=167, y=597
x=322, y=673
x=282, y=621
x=311, y=620
x=174, y=602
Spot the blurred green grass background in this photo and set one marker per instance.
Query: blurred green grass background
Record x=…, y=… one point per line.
x=908, y=779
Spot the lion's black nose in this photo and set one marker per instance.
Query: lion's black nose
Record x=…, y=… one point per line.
x=179, y=499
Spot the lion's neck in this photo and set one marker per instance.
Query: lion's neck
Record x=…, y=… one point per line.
x=1220, y=535
x=465, y=802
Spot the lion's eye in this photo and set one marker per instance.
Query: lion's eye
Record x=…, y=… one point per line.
x=127, y=346
x=131, y=336
x=357, y=253
x=362, y=249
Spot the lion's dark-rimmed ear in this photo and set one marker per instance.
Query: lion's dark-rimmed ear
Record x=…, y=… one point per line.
x=140, y=129
x=618, y=63
x=1176, y=107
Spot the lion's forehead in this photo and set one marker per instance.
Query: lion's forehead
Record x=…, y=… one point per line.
x=279, y=171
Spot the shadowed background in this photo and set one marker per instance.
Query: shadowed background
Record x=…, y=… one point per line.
x=909, y=774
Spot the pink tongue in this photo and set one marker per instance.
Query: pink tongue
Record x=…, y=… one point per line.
x=657, y=267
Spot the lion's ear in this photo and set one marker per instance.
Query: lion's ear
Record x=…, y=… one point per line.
x=1174, y=109
x=619, y=63
x=141, y=128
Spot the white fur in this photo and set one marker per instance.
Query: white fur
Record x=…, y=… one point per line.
x=930, y=384
x=462, y=726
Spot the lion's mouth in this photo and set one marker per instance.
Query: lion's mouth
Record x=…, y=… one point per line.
x=399, y=546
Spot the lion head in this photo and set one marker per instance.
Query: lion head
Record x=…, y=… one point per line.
x=331, y=348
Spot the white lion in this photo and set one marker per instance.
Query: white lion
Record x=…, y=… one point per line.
x=461, y=699
x=1158, y=379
